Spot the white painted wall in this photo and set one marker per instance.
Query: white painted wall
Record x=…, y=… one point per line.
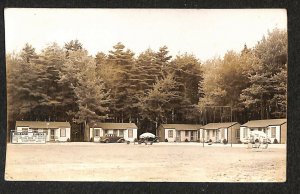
x=242, y=134
x=167, y=136
x=277, y=136
x=96, y=138
x=91, y=132
x=63, y=139
x=226, y=134
x=268, y=132
x=128, y=138
x=184, y=137
x=48, y=135
x=111, y=131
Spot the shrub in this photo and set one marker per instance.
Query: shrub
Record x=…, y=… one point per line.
x=166, y=140
x=225, y=141
x=209, y=140
x=128, y=142
x=186, y=140
x=68, y=140
x=239, y=142
x=275, y=141
x=92, y=139
x=135, y=140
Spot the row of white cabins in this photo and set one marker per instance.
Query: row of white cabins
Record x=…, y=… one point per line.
x=232, y=132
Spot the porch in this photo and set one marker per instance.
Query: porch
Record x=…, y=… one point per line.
x=187, y=135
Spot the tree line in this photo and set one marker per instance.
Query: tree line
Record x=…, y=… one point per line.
x=153, y=87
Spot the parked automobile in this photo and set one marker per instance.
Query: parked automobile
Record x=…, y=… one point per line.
x=112, y=138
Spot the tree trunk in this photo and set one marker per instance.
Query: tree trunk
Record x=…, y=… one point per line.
x=86, y=131
x=261, y=108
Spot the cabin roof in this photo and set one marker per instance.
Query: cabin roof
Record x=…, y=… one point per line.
x=181, y=127
x=42, y=124
x=219, y=125
x=264, y=123
x=114, y=125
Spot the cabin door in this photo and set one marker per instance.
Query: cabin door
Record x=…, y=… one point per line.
x=51, y=134
x=178, y=136
x=192, y=135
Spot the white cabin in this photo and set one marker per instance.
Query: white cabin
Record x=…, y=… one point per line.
x=40, y=131
x=275, y=129
x=126, y=130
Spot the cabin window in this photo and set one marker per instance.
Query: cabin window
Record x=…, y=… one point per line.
x=115, y=132
x=186, y=133
x=170, y=134
x=273, y=132
x=24, y=129
x=121, y=133
x=97, y=132
x=105, y=132
x=62, y=132
x=246, y=132
x=130, y=133
x=237, y=133
x=222, y=133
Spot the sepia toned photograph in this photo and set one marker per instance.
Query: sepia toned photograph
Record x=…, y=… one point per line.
x=146, y=95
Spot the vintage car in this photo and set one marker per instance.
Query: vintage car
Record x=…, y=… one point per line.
x=112, y=138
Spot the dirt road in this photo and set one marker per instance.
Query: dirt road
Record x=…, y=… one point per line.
x=158, y=162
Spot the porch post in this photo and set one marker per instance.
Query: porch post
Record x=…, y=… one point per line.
x=203, y=137
x=231, y=136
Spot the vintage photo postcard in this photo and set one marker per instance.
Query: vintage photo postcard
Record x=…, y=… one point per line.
x=146, y=95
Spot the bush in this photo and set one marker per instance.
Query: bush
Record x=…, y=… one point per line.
x=92, y=139
x=135, y=140
x=128, y=142
x=198, y=141
x=225, y=141
x=239, y=142
x=166, y=140
x=209, y=140
x=275, y=141
x=186, y=140
x=68, y=140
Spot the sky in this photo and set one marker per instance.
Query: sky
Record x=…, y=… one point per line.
x=205, y=33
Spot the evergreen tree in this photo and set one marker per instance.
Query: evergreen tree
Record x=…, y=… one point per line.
x=271, y=59
x=122, y=90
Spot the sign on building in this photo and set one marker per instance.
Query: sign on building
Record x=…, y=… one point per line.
x=28, y=137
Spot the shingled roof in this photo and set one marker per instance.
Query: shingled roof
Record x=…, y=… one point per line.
x=42, y=124
x=218, y=125
x=182, y=126
x=114, y=125
x=264, y=123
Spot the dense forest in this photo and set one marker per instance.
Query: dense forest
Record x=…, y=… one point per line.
x=153, y=87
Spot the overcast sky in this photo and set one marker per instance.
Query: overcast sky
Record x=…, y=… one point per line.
x=203, y=32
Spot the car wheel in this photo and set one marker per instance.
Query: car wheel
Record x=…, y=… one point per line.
x=106, y=141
